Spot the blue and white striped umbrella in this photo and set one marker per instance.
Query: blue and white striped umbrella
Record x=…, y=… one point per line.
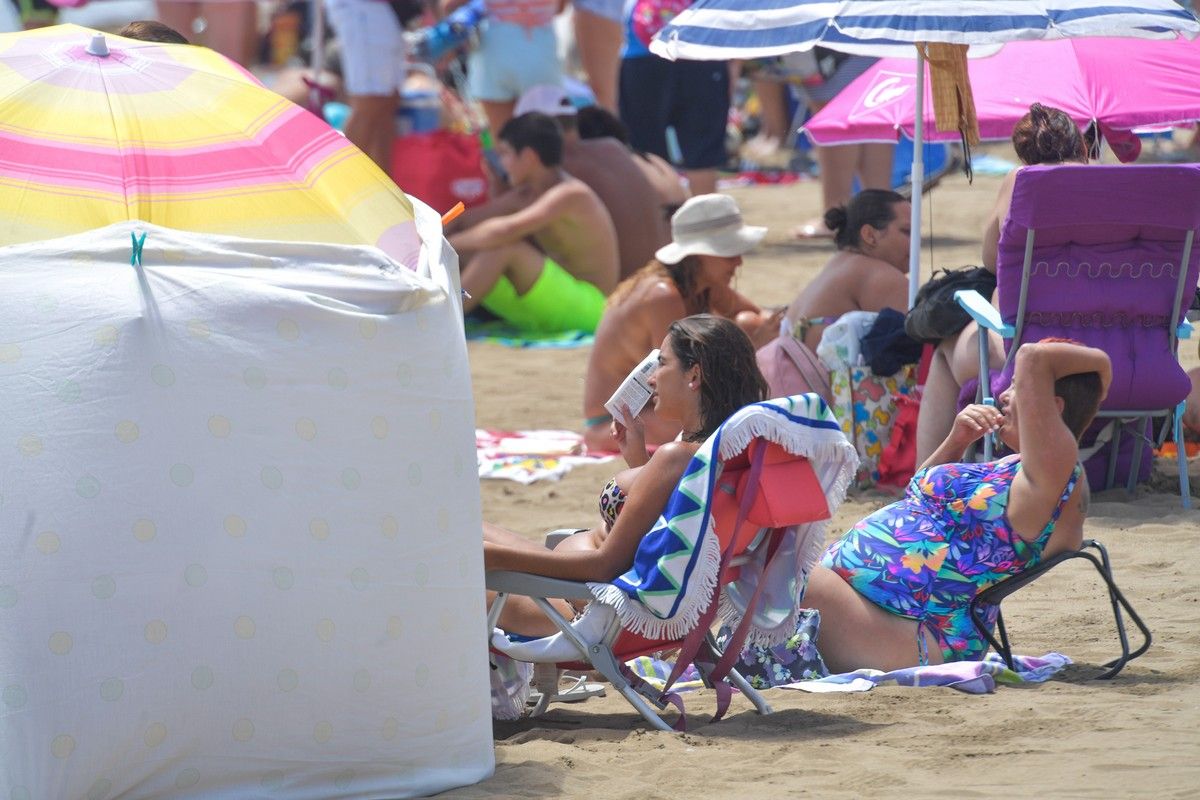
x=743, y=29
x=727, y=29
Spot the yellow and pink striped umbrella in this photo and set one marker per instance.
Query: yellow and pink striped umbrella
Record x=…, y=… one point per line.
x=99, y=129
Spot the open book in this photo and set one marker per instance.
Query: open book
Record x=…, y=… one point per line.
x=635, y=390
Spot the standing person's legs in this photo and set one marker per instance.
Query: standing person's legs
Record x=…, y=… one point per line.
x=598, y=37
x=371, y=127
x=231, y=30
x=872, y=163
x=875, y=165
x=373, y=67
x=838, y=163
x=180, y=16
x=498, y=113
x=644, y=83
x=773, y=109
x=699, y=101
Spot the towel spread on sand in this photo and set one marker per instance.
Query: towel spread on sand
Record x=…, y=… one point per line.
x=501, y=332
x=675, y=569
x=972, y=677
x=528, y=456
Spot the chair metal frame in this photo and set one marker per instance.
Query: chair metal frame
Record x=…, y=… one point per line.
x=600, y=655
x=699, y=646
x=996, y=594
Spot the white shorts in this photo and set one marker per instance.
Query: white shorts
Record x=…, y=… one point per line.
x=511, y=59
x=372, y=46
x=609, y=9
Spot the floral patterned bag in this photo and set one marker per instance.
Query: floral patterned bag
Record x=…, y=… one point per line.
x=796, y=659
x=865, y=405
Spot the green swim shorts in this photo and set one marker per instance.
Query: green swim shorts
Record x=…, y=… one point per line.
x=557, y=302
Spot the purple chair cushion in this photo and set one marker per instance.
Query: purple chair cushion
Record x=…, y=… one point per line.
x=1106, y=259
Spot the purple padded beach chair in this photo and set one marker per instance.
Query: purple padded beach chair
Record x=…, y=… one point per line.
x=1105, y=255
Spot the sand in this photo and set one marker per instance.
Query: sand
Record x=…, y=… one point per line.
x=1135, y=736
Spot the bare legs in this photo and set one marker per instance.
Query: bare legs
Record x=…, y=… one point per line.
x=701, y=181
x=955, y=361
x=230, y=28
x=371, y=126
x=521, y=615
x=872, y=163
x=519, y=262
x=772, y=102
x=498, y=113
x=599, y=41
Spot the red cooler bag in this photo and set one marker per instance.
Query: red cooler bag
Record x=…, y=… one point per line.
x=440, y=168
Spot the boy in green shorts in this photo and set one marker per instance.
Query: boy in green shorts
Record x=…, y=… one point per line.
x=549, y=265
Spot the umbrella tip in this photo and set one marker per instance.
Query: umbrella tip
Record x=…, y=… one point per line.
x=98, y=46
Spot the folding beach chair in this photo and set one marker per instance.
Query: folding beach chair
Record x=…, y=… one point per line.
x=736, y=542
x=988, y=602
x=1104, y=255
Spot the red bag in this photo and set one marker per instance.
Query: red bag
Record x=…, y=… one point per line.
x=440, y=168
x=898, y=462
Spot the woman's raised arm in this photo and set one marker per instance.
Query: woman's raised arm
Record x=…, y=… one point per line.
x=1049, y=449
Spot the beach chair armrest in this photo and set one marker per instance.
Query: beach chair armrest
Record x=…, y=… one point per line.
x=536, y=585
x=1184, y=331
x=983, y=312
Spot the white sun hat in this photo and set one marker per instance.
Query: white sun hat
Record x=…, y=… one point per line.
x=545, y=98
x=709, y=225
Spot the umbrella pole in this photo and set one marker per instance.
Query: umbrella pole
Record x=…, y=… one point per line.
x=317, y=61
x=918, y=179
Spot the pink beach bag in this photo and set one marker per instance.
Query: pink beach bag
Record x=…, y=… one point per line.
x=791, y=368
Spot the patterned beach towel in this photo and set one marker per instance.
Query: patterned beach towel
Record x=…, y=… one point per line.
x=972, y=677
x=676, y=566
x=528, y=456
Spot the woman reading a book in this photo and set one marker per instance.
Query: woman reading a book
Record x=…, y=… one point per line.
x=706, y=372
x=690, y=275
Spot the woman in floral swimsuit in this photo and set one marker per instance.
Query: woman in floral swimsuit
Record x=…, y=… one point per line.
x=894, y=591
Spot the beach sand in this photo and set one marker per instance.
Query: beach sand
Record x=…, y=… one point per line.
x=1135, y=736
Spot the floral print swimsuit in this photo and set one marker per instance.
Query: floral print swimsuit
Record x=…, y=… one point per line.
x=612, y=500
x=927, y=555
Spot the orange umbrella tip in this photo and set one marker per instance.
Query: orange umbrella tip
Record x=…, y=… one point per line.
x=453, y=213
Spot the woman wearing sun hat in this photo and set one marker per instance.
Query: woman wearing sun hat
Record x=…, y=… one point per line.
x=692, y=274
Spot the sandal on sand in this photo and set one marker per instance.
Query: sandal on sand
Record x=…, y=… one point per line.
x=568, y=688
x=811, y=230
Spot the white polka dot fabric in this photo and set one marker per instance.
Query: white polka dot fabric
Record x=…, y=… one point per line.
x=239, y=522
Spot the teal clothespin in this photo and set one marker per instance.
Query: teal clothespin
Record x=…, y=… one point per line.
x=135, y=258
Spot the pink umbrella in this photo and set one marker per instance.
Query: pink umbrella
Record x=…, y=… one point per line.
x=1119, y=83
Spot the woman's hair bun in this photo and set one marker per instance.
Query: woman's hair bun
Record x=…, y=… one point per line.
x=836, y=218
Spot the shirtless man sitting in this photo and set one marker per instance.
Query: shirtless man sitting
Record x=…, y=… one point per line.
x=548, y=264
x=670, y=192
x=609, y=169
